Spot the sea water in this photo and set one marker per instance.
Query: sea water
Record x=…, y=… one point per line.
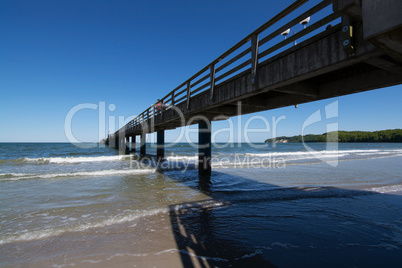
x=264, y=205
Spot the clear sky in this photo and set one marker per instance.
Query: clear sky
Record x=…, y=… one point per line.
x=55, y=55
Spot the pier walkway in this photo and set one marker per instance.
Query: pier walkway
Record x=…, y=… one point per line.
x=345, y=47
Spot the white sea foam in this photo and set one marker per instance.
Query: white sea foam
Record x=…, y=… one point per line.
x=250, y=255
x=91, y=261
x=387, y=189
x=126, y=216
x=181, y=158
x=207, y=204
x=110, y=172
x=325, y=153
x=171, y=250
x=126, y=254
x=382, y=245
x=283, y=245
x=202, y=257
x=81, y=159
x=50, y=232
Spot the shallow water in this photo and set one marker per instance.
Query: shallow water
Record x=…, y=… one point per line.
x=329, y=207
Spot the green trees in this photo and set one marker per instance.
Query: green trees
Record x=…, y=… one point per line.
x=391, y=135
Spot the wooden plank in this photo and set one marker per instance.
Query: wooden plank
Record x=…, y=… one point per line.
x=182, y=98
x=181, y=92
x=242, y=54
x=200, y=88
x=244, y=64
x=181, y=85
x=200, y=80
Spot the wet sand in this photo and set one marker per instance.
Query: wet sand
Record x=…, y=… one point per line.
x=147, y=242
x=229, y=235
x=163, y=240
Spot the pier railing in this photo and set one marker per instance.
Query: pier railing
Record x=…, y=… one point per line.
x=268, y=40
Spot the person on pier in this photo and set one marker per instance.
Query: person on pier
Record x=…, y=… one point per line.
x=160, y=105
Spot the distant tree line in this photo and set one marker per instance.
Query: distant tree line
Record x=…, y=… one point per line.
x=391, y=135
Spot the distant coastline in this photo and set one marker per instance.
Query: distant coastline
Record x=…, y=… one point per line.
x=390, y=135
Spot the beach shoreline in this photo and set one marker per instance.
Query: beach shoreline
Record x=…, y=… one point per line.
x=120, y=245
x=192, y=236
x=309, y=214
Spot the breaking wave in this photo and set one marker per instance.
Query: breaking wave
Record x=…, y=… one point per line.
x=327, y=153
x=111, y=172
x=111, y=220
x=50, y=232
x=67, y=160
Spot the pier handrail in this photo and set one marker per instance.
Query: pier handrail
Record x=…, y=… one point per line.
x=188, y=89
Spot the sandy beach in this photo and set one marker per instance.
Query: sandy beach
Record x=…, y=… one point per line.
x=98, y=211
x=120, y=245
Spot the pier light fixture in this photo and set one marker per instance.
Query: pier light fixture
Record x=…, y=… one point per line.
x=285, y=33
x=305, y=21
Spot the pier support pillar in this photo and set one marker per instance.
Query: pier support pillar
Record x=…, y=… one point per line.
x=116, y=142
x=122, y=145
x=142, y=146
x=127, y=145
x=111, y=141
x=133, y=143
x=204, y=148
x=160, y=145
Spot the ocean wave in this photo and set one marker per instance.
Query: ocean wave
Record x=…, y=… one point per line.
x=181, y=158
x=67, y=160
x=126, y=216
x=110, y=172
x=387, y=189
x=324, y=153
x=18, y=160
x=51, y=232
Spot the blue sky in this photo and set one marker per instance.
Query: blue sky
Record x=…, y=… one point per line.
x=55, y=55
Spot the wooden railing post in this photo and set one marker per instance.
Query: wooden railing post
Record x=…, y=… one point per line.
x=163, y=105
x=212, y=79
x=173, y=97
x=188, y=93
x=254, y=60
